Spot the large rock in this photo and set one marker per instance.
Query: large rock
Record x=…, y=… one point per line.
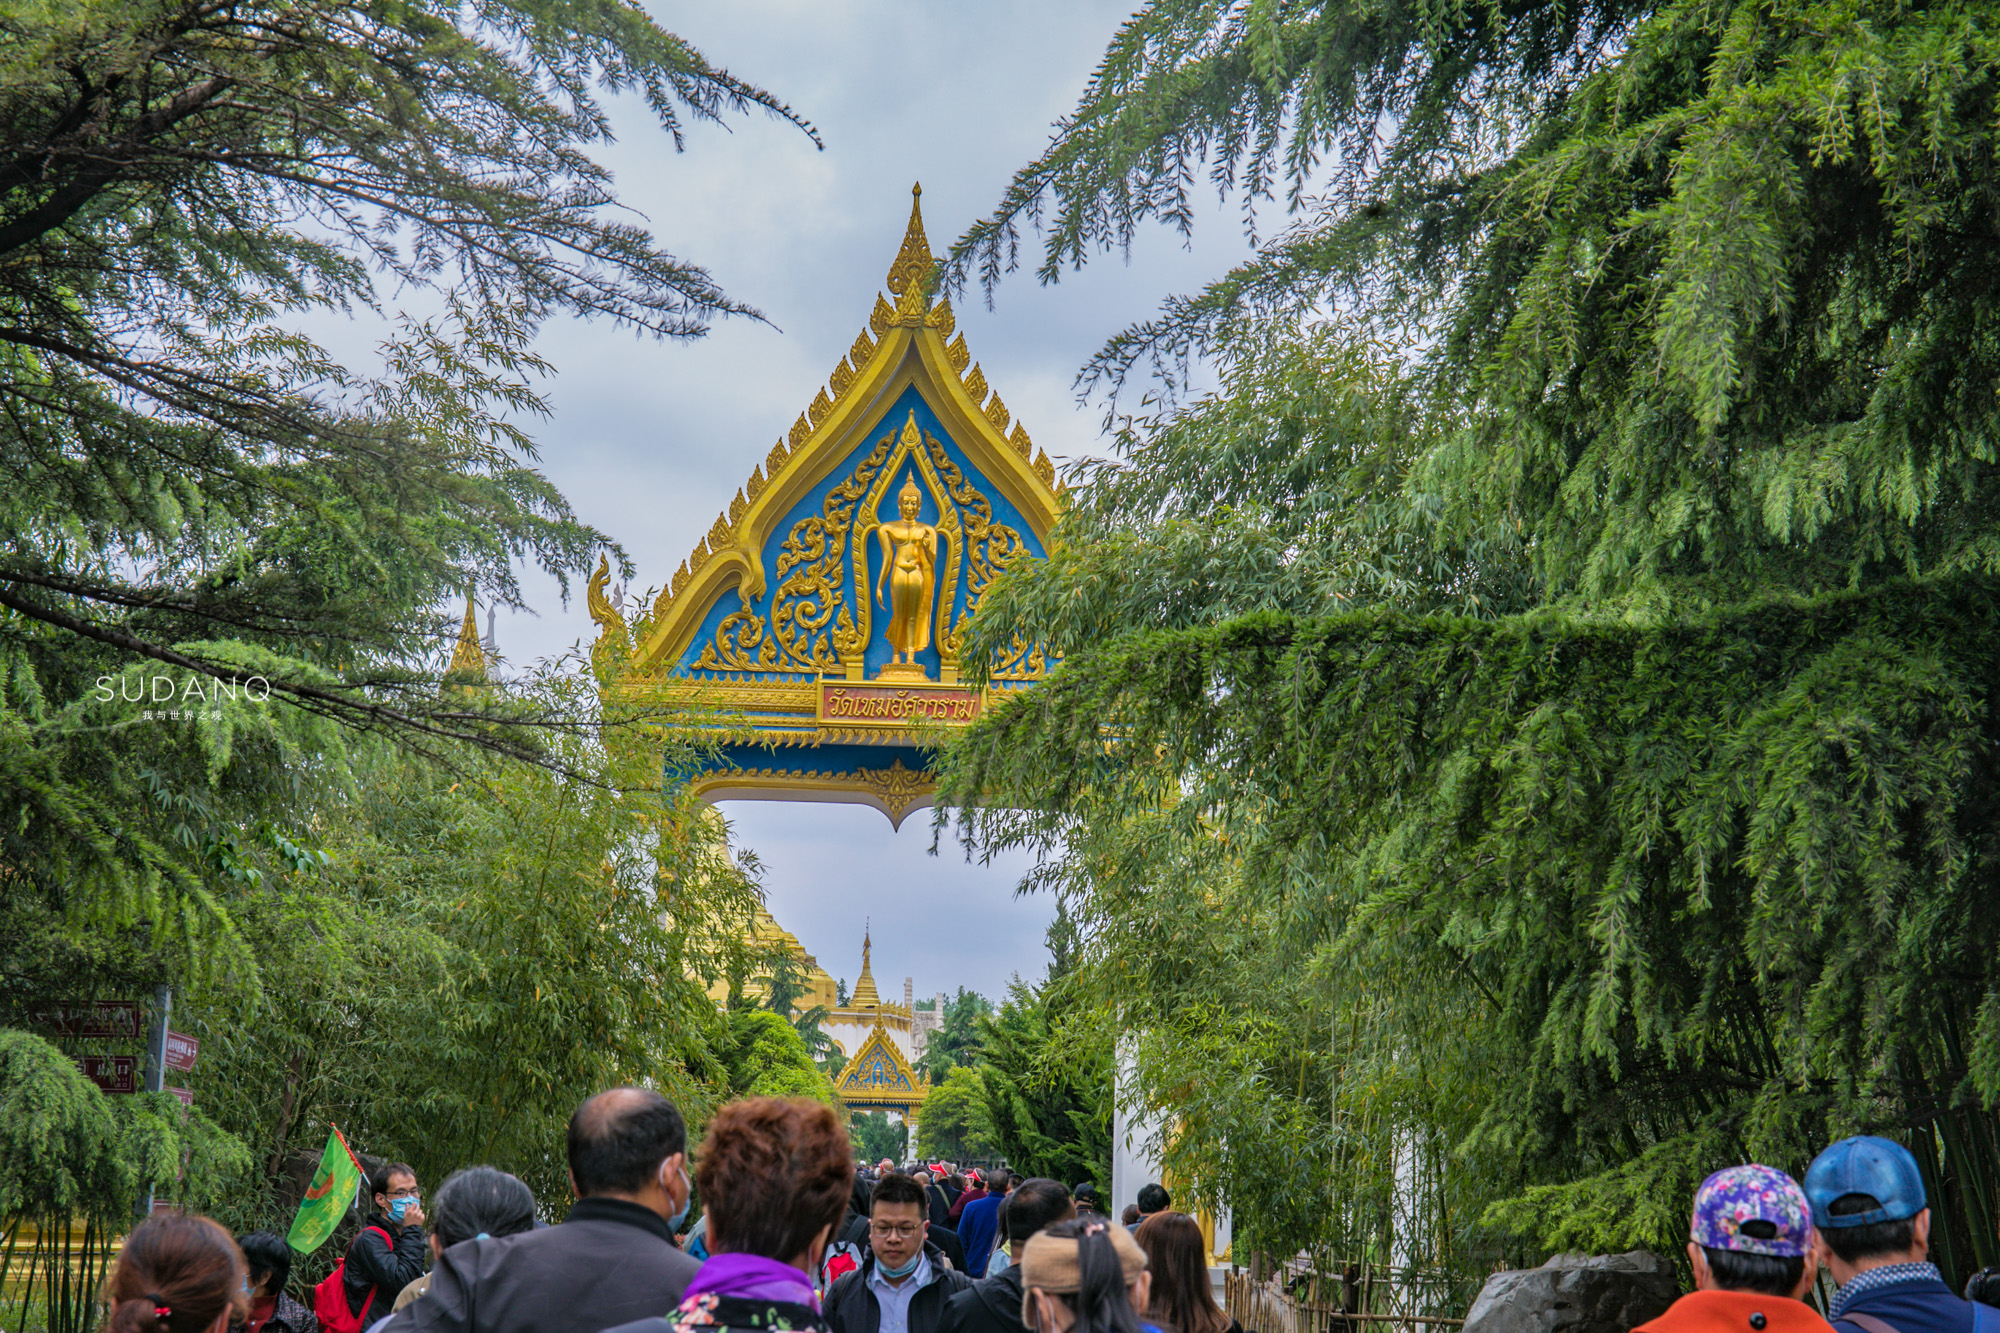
x=1576, y=1293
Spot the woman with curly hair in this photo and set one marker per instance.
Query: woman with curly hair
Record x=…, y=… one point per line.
x=774, y=1178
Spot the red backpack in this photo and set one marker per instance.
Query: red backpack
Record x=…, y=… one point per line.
x=330, y=1296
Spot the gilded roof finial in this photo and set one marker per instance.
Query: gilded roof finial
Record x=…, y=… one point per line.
x=468, y=660
x=913, y=262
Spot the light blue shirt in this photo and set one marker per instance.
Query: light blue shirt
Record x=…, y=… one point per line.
x=895, y=1300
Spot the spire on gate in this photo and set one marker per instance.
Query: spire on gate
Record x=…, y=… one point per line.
x=865, y=994
x=913, y=262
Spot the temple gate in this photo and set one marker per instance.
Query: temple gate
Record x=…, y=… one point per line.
x=814, y=633
x=820, y=620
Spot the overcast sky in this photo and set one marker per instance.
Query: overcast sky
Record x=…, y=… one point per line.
x=650, y=440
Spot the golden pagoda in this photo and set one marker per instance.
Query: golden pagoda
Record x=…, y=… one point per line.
x=767, y=937
x=865, y=996
x=878, y=1041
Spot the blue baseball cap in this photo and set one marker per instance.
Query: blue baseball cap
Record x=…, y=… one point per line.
x=1880, y=1168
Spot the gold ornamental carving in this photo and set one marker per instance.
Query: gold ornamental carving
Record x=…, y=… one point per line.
x=601, y=610
x=898, y=788
x=990, y=548
x=812, y=629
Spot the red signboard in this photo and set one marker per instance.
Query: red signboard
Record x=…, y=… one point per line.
x=181, y=1050
x=106, y=1019
x=112, y=1073
x=185, y=1094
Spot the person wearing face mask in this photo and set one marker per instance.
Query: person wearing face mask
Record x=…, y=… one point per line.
x=775, y=1177
x=389, y=1253
x=1085, y=1276
x=904, y=1282
x=472, y=1204
x=612, y=1261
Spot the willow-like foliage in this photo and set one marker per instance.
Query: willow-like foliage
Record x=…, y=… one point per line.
x=191, y=487
x=1700, y=289
x=1647, y=899
x=465, y=953
x=1550, y=663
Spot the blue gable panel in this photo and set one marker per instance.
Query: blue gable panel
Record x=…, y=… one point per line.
x=819, y=758
x=878, y=651
x=800, y=759
x=728, y=604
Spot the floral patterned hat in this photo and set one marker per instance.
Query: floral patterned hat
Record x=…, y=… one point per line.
x=1755, y=1209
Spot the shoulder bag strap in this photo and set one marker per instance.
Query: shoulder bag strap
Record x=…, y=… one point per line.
x=1867, y=1323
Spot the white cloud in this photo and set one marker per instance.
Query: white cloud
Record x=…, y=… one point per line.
x=832, y=870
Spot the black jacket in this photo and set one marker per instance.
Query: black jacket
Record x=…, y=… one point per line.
x=851, y=1306
x=373, y=1265
x=939, y=1205
x=609, y=1263
x=989, y=1305
x=947, y=1240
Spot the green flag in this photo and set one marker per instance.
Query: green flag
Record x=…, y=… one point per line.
x=333, y=1187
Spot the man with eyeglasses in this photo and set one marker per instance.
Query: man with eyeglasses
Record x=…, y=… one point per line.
x=904, y=1282
x=390, y=1253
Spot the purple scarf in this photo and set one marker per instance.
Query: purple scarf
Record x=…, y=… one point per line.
x=753, y=1277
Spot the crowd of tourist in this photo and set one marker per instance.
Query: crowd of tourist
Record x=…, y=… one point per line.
x=794, y=1238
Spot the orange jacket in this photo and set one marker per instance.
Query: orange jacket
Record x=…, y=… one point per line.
x=1736, y=1312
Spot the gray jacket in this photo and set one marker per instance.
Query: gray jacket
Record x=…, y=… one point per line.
x=610, y=1263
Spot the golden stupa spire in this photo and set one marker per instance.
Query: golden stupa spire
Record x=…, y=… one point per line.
x=865, y=995
x=468, y=660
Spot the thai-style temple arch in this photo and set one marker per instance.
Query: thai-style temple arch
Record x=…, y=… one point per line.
x=816, y=629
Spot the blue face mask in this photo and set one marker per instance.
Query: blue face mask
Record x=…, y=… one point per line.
x=898, y=1273
x=398, y=1207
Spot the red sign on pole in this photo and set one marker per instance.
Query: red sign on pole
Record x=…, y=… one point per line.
x=107, y=1018
x=112, y=1073
x=185, y=1094
x=181, y=1050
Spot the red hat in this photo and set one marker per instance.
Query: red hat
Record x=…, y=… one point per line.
x=941, y=1168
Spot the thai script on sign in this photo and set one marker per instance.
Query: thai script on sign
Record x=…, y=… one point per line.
x=878, y=703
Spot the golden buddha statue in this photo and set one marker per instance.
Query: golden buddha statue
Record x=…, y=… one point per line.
x=909, y=569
